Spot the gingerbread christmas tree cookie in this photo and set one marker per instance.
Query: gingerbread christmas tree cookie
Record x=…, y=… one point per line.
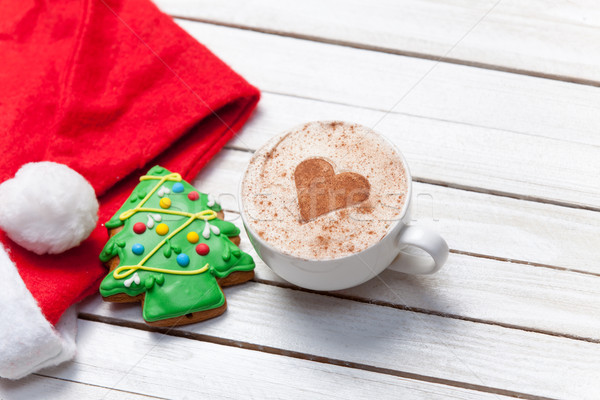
x=170, y=249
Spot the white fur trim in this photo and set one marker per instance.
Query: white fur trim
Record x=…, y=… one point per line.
x=47, y=207
x=28, y=342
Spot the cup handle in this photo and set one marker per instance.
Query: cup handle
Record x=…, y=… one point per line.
x=426, y=240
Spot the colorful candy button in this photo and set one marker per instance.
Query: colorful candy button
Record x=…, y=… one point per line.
x=139, y=228
x=177, y=187
x=165, y=202
x=193, y=237
x=162, y=229
x=202, y=249
x=193, y=196
x=137, y=249
x=183, y=260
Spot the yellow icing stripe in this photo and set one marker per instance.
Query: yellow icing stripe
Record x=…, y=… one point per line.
x=172, y=212
x=200, y=215
x=130, y=269
x=129, y=213
x=170, y=177
x=205, y=215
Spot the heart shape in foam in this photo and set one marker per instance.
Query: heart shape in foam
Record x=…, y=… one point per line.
x=320, y=190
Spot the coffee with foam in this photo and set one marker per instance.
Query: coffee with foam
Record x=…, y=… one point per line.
x=324, y=190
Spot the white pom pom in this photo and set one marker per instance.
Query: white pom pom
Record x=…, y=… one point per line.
x=47, y=207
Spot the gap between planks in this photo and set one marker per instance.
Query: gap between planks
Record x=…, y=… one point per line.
x=359, y=299
x=389, y=338
x=108, y=390
x=453, y=129
x=548, y=226
x=437, y=182
x=523, y=262
x=481, y=255
x=54, y=387
x=408, y=114
x=496, y=258
x=387, y=50
x=173, y=331
x=403, y=307
x=473, y=189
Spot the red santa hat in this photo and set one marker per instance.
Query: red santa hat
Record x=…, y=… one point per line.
x=105, y=88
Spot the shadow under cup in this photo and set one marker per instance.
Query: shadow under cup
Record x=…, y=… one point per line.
x=293, y=247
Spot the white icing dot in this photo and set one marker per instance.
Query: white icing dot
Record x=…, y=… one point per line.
x=134, y=279
x=215, y=230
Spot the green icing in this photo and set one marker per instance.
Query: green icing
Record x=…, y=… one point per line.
x=169, y=295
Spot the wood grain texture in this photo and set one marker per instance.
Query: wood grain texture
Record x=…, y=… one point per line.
x=512, y=294
x=455, y=154
x=175, y=367
x=549, y=300
x=557, y=39
x=38, y=387
x=531, y=330
x=495, y=292
x=480, y=223
x=483, y=290
x=285, y=320
x=456, y=93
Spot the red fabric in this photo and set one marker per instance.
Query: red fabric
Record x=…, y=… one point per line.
x=109, y=88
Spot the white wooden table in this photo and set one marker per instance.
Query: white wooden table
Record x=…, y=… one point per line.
x=496, y=106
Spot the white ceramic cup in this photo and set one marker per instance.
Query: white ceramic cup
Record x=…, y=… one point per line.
x=352, y=270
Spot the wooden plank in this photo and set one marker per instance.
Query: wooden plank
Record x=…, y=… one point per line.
x=456, y=93
x=550, y=301
x=175, y=367
x=471, y=222
x=376, y=337
x=37, y=387
x=453, y=154
x=555, y=39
